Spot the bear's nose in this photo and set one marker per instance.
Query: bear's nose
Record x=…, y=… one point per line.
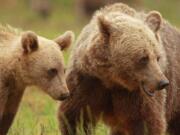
x=162, y=84
x=63, y=96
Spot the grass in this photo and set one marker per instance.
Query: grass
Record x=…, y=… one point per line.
x=38, y=116
x=37, y=112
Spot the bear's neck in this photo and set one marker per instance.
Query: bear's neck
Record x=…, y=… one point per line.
x=16, y=69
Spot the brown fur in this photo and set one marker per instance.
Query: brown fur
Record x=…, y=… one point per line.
x=105, y=81
x=171, y=40
x=27, y=59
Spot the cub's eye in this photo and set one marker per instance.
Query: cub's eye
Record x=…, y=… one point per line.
x=144, y=60
x=158, y=58
x=52, y=72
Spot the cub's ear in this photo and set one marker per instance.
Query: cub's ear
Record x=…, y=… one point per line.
x=29, y=42
x=154, y=20
x=104, y=25
x=65, y=40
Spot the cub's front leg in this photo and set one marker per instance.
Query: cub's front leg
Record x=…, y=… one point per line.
x=4, y=92
x=10, y=98
x=3, y=99
x=10, y=110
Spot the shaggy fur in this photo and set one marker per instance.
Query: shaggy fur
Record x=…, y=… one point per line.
x=116, y=67
x=27, y=59
x=171, y=41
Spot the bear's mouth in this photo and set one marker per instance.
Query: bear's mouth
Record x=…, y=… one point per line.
x=145, y=89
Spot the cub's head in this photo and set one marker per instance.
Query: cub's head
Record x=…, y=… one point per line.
x=42, y=63
x=133, y=51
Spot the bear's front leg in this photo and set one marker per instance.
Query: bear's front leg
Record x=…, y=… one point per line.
x=154, y=114
x=116, y=132
x=131, y=127
x=10, y=110
x=157, y=125
x=71, y=117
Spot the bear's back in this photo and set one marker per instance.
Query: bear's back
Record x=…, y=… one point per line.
x=8, y=35
x=8, y=38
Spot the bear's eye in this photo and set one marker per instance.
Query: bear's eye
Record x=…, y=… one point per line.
x=144, y=60
x=52, y=72
x=158, y=58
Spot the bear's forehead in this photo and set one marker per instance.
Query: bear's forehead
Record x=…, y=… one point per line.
x=44, y=42
x=46, y=45
x=126, y=22
x=118, y=18
x=132, y=26
x=136, y=37
x=135, y=42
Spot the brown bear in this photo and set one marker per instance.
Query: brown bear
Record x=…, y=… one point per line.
x=28, y=59
x=118, y=73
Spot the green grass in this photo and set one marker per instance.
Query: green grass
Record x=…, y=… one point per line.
x=37, y=114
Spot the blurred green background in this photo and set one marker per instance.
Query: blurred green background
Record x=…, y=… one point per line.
x=37, y=113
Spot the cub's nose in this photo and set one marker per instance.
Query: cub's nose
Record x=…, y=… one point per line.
x=64, y=96
x=162, y=84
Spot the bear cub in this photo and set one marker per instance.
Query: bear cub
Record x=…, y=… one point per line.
x=28, y=59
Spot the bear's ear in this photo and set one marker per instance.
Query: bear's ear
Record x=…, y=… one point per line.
x=29, y=42
x=65, y=40
x=104, y=25
x=154, y=20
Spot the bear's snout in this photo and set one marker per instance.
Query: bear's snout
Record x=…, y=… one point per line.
x=162, y=84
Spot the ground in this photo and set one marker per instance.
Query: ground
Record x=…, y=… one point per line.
x=37, y=113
